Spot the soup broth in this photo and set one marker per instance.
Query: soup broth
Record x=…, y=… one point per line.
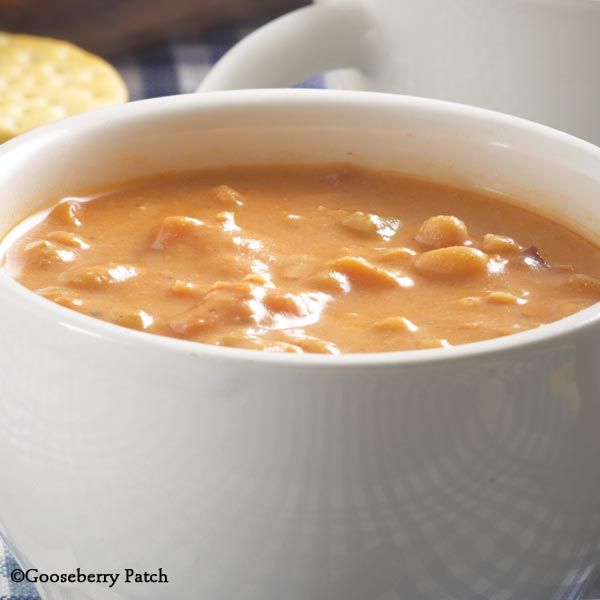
x=305, y=259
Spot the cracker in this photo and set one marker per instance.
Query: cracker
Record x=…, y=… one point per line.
x=42, y=80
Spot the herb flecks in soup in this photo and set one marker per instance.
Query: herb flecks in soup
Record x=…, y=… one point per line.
x=306, y=260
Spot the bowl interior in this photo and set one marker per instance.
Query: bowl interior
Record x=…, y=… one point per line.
x=549, y=172
x=541, y=169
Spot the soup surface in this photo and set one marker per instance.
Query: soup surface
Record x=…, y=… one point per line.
x=326, y=260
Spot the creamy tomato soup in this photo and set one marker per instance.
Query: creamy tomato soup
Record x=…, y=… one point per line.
x=305, y=259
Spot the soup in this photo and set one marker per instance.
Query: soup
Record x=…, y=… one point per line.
x=305, y=259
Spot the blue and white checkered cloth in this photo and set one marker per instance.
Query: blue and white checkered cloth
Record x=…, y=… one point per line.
x=161, y=70
x=179, y=67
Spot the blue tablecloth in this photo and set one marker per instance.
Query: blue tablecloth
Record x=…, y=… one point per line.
x=179, y=67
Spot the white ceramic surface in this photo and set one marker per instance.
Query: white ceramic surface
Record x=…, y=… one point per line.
x=462, y=473
x=536, y=59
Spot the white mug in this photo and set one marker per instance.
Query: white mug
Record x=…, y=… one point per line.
x=446, y=474
x=536, y=59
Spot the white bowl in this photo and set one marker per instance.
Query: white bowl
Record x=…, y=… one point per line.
x=462, y=473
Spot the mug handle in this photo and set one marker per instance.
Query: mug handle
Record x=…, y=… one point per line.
x=304, y=43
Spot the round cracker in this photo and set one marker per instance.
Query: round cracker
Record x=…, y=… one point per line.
x=42, y=80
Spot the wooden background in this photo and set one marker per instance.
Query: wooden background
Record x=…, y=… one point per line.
x=110, y=26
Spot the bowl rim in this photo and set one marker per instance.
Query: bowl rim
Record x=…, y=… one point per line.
x=156, y=107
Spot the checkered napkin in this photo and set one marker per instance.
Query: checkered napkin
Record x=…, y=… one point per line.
x=10, y=590
x=179, y=67
x=163, y=70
